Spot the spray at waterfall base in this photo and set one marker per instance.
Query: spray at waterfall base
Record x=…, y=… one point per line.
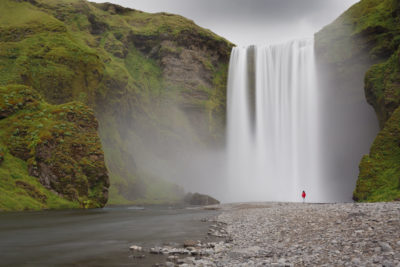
x=272, y=132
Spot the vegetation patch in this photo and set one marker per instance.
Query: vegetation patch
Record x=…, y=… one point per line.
x=58, y=143
x=379, y=178
x=382, y=87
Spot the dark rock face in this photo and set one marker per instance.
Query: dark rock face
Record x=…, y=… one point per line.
x=191, y=59
x=187, y=59
x=199, y=199
x=362, y=42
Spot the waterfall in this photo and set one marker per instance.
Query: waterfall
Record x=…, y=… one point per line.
x=272, y=117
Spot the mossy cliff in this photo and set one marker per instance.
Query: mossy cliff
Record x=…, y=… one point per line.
x=366, y=39
x=51, y=155
x=151, y=79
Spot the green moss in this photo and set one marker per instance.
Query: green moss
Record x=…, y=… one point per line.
x=216, y=105
x=59, y=144
x=16, y=26
x=53, y=64
x=32, y=195
x=146, y=73
x=369, y=26
x=382, y=87
x=379, y=178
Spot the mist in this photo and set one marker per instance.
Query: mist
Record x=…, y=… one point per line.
x=348, y=127
x=182, y=152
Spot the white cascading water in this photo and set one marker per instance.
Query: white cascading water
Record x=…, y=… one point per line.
x=272, y=131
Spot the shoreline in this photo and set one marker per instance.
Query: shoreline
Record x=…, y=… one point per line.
x=300, y=234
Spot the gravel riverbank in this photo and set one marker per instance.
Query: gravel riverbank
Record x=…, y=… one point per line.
x=296, y=234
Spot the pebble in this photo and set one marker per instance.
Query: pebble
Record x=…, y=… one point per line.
x=189, y=243
x=135, y=248
x=292, y=234
x=385, y=247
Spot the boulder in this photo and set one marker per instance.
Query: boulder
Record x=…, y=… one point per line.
x=199, y=199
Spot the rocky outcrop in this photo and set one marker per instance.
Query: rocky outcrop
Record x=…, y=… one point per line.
x=199, y=199
x=365, y=41
x=59, y=144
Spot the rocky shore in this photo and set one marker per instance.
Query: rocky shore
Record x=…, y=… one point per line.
x=295, y=234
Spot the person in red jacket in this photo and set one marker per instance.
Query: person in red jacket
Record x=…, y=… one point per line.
x=303, y=195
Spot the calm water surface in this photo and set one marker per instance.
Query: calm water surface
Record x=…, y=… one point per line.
x=94, y=237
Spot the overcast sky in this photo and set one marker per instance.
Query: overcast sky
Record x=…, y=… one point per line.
x=245, y=22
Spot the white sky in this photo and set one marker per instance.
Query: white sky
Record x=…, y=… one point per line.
x=245, y=22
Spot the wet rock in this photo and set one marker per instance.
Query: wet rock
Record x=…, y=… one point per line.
x=156, y=250
x=199, y=199
x=135, y=248
x=172, y=258
x=189, y=243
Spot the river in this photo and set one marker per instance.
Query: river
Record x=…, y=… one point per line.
x=99, y=237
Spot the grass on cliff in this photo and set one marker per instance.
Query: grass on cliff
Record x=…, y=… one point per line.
x=53, y=64
x=379, y=178
x=20, y=191
x=22, y=14
x=371, y=26
x=60, y=139
x=382, y=87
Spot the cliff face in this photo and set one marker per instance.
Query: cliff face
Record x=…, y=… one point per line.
x=51, y=155
x=156, y=82
x=365, y=39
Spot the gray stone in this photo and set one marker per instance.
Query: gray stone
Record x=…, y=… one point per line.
x=375, y=259
x=387, y=263
x=385, y=247
x=189, y=243
x=155, y=250
x=135, y=248
x=287, y=234
x=172, y=258
x=356, y=261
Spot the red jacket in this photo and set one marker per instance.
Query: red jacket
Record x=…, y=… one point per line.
x=303, y=195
